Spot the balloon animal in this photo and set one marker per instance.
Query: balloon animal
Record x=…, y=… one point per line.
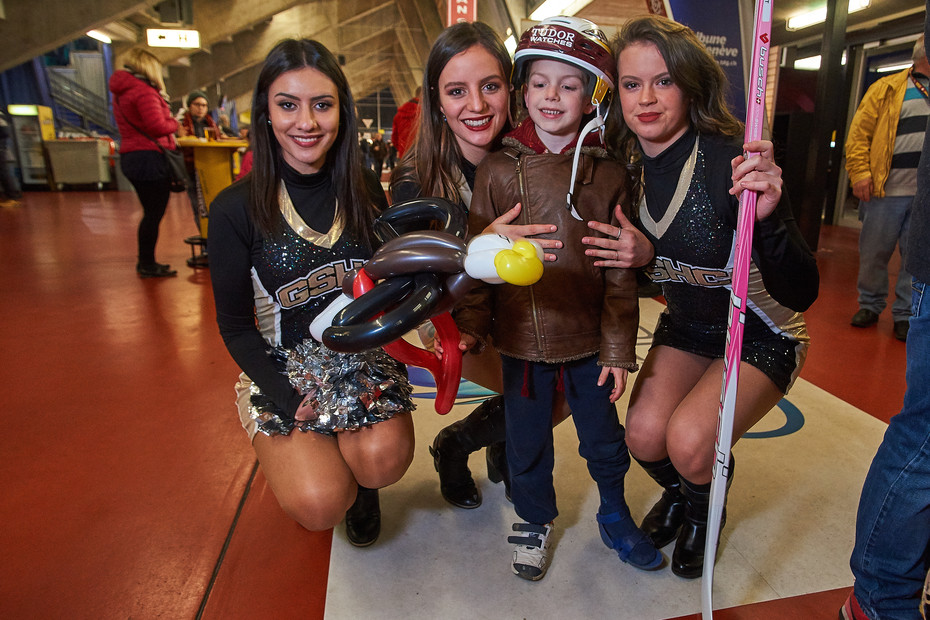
x=419, y=275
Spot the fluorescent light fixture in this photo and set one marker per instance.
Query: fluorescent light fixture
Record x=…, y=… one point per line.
x=22, y=109
x=812, y=63
x=550, y=8
x=820, y=15
x=895, y=67
x=185, y=39
x=96, y=34
x=807, y=19
x=511, y=44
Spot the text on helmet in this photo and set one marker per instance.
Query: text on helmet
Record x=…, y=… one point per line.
x=545, y=34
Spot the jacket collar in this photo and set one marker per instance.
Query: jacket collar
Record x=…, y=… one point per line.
x=525, y=139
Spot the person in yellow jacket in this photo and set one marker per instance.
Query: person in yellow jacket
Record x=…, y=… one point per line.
x=882, y=151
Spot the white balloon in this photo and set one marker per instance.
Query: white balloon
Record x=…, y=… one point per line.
x=325, y=318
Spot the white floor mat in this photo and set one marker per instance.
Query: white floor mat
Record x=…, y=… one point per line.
x=790, y=524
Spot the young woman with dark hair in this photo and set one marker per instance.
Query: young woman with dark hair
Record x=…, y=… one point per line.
x=281, y=240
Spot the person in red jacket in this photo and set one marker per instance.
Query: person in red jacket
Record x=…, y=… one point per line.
x=143, y=117
x=405, y=123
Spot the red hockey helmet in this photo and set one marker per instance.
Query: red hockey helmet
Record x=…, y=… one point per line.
x=573, y=40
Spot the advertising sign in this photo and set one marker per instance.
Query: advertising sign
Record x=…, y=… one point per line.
x=461, y=11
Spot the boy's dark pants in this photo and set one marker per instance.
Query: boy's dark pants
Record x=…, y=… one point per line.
x=528, y=394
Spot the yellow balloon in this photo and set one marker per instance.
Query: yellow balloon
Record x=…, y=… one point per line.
x=520, y=265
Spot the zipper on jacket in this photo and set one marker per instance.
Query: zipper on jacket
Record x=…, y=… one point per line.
x=521, y=181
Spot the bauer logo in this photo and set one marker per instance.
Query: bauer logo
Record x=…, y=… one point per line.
x=552, y=36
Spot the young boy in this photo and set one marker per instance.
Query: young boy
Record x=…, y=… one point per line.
x=574, y=330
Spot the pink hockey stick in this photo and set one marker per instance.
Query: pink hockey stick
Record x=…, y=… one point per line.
x=742, y=251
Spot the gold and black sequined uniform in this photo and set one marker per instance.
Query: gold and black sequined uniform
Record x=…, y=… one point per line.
x=689, y=216
x=268, y=291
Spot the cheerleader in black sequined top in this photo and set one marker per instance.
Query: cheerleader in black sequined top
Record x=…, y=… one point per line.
x=672, y=115
x=281, y=239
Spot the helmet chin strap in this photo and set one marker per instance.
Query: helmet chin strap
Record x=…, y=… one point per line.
x=594, y=124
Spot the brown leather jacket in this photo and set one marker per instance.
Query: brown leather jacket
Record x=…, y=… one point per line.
x=576, y=309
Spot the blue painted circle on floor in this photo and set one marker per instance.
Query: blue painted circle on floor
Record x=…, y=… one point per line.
x=794, y=420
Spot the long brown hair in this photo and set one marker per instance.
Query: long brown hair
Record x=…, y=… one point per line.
x=693, y=70
x=432, y=161
x=343, y=157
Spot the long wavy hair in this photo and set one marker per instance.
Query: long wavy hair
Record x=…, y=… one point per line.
x=693, y=70
x=433, y=159
x=343, y=157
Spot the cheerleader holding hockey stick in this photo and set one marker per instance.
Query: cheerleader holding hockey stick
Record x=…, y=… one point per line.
x=672, y=120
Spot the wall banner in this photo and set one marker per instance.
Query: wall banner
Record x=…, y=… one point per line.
x=717, y=25
x=461, y=11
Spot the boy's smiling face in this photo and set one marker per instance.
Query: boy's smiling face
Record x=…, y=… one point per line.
x=556, y=100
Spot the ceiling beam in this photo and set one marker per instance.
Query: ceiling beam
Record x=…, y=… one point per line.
x=30, y=30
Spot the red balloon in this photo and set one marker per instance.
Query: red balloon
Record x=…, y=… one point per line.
x=446, y=371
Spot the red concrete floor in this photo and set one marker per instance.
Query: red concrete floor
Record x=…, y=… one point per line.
x=863, y=366
x=129, y=489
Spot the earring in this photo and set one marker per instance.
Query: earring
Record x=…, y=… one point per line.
x=269, y=121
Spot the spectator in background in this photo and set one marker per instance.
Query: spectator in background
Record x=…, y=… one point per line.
x=364, y=144
x=225, y=127
x=882, y=151
x=8, y=183
x=405, y=123
x=196, y=121
x=146, y=126
x=391, y=160
x=245, y=164
x=378, y=153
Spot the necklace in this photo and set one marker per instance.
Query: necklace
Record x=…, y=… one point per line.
x=298, y=225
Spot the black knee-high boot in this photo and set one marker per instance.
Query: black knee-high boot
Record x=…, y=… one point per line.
x=663, y=522
x=688, y=557
x=453, y=444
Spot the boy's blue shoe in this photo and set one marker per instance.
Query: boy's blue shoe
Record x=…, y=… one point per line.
x=632, y=544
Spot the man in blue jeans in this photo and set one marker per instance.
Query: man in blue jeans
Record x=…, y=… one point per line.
x=890, y=558
x=882, y=151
